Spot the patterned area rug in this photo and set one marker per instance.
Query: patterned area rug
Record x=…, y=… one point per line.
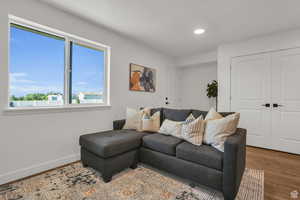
x=78, y=183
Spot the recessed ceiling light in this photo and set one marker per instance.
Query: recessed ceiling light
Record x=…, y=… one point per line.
x=199, y=31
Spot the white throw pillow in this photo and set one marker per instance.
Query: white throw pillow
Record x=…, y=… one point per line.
x=217, y=131
x=170, y=127
x=192, y=131
x=173, y=128
x=151, y=123
x=213, y=114
x=134, y=119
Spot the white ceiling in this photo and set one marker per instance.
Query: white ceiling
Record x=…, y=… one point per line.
x=167, y=25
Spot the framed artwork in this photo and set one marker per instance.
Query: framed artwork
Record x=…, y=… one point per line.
x=142, y=78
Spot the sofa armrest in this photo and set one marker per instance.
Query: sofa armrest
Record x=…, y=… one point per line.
x=234, y=163
x=118, y=124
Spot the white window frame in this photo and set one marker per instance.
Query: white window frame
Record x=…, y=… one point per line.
x=68, y=39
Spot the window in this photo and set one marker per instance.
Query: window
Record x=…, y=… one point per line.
x=36, y=67
x=49, y=68
x=87, y=74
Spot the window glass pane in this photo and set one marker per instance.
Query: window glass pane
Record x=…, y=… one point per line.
x=36, y=68
x=87, y=74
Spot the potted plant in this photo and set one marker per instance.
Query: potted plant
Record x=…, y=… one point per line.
x=212, y=91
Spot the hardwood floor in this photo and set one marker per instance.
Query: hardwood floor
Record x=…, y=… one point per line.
x=282, y=171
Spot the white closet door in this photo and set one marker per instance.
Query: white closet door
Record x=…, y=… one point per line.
x=286, y=93
x=250, y=91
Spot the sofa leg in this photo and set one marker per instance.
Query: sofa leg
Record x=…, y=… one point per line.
x=106, y=178
x=134, y=166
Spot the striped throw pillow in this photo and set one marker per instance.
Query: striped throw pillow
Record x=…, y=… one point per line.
x=192, y=131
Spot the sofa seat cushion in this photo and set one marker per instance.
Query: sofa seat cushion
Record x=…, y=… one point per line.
x=204, y=155
x=110, y=143
x=161, y=143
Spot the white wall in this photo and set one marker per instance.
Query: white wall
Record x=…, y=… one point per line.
x=36, y=141
x=197, y=59
x=226, y=52
x=193, y=83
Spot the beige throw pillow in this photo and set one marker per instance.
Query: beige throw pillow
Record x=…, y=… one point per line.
x=213, y=114
x=217, y=131
x=134, y=119
x=192, y=130
x=151, y=123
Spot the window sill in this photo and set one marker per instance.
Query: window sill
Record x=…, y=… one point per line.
x=57, y=109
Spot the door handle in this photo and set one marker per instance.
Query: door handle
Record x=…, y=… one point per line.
x=266, y=105
x=276, y=105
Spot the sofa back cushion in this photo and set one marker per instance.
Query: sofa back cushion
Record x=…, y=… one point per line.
x=176, y=114
x=198, y=113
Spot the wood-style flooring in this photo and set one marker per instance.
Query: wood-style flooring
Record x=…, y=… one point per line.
x=282, y=171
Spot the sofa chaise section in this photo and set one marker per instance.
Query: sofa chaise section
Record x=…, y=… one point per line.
x=111, y=151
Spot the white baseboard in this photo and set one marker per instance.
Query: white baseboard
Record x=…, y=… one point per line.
x=21, y=173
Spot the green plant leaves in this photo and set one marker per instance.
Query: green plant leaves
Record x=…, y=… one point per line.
x=212, y=89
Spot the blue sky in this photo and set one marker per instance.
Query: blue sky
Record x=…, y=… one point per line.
x=37, y=65
x=87, y=69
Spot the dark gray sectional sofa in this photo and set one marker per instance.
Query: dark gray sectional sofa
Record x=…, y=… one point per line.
x=113, y=151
